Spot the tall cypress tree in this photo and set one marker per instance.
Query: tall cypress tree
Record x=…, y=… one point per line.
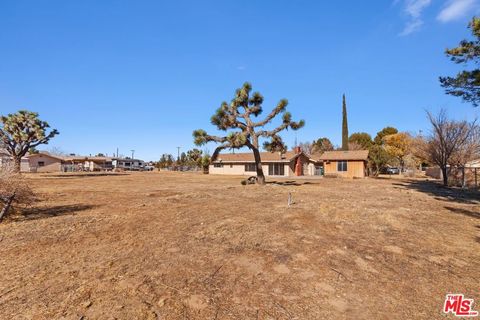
x=344, y=126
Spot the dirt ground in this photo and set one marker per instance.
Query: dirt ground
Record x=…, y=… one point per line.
x=190, y=246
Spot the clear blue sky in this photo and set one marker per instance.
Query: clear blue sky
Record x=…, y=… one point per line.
x=144, y=74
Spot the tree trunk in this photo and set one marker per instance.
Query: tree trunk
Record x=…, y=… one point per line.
x=445, y=176
x=6, y=206
x=258, y=164
x=17, y=162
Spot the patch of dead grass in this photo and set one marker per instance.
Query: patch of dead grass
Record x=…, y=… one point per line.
x=192, y=246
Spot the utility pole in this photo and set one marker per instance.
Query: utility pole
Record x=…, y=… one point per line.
x=133, y=153
x=178, y=153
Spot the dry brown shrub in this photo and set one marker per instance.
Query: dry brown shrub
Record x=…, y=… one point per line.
x=14, y=190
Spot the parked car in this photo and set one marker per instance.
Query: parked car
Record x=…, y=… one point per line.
x=393, y=170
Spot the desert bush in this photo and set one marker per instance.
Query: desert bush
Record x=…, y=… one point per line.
x=14, y=190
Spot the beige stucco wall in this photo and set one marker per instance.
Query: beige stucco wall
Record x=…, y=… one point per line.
x=239, y=169
x=24, y=164
x=355, y=169
x=91, y=165
x=289, y=168
x=311, y=169
x=51, y=164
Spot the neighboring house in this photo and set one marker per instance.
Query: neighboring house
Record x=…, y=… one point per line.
x=348, y=164
x=288, y=164
x=43, y=162
x=80, y=163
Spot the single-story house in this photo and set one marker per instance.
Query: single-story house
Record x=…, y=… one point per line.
x=347, y=164
x=351, y=164
x=288, y=164
x=81, y=163
x=43, y=162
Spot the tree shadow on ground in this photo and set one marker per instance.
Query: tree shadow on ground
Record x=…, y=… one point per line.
x=85, y=175
x=440, y=192
x=35, y=213
x=465, y=212
x=290, y=183
x=386, y=177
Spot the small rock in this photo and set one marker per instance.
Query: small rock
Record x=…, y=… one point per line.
x=161, y=302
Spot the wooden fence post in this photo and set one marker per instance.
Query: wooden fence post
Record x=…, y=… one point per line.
x=476, y=184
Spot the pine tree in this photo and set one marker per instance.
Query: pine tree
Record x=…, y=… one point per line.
x=344, y=126
x=466, y=84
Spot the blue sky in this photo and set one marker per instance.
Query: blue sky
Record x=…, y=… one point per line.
x=144, y=74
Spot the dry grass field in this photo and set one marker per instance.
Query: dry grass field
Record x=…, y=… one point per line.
x=191, y=246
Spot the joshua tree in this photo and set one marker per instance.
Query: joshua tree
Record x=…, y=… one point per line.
x=194, y=157
x=205, y=162
x=23, y=131
x=238, y=118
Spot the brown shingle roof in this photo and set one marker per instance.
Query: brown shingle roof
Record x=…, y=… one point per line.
x=85, y=158
x=44, y=154
x=248, y=157
x=70, y=158
x=342, y=155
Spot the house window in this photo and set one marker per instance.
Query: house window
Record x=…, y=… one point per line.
x=41, y=163
x=342, y=166
x=276, y=169
x=250, y=167
x=218, y=165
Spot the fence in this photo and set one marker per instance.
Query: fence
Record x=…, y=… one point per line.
x=468, y=177
x=464, y=177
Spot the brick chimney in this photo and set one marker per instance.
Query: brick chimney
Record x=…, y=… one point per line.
x=298, y=150
x=298, y=167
